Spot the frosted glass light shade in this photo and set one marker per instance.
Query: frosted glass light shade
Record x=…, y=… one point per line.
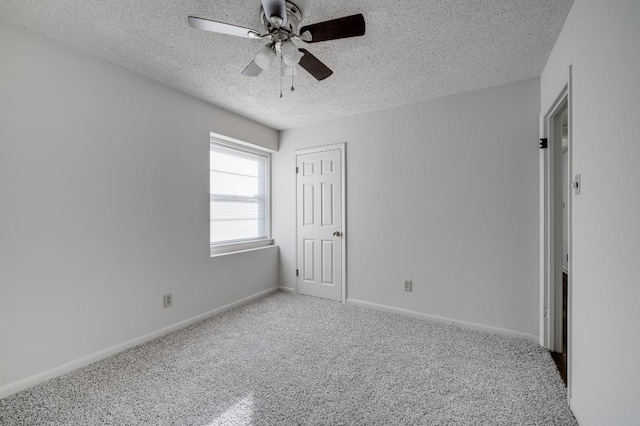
x=288, y=71
x=264, y=58
x=290, y=54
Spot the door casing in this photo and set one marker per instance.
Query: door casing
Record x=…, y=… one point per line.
x=549, y=235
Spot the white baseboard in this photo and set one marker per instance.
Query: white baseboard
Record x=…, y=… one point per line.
x=436, y=318
x=576, y=413
x=31, y=381
x=286, y=289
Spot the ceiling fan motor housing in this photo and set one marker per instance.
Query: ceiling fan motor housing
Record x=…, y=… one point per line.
x=294, y=16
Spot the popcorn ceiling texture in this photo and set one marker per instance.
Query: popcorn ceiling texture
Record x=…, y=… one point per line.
x=289, y=360
x=413, y=50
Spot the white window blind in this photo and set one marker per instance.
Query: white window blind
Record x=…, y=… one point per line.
x=239, y=198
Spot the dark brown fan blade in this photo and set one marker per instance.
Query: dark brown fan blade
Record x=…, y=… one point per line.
x=314, y=66
x=349, y=26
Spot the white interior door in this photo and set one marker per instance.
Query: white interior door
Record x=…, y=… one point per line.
x=319, y=216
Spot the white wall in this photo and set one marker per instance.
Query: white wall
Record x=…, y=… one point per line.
x=444, y=193
x=104, y=207
x=600, y=39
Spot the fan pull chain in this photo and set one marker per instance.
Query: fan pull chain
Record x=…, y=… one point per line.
x=292, y=88
x=281, y=76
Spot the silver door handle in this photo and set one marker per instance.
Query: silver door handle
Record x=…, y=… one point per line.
x=337, y=234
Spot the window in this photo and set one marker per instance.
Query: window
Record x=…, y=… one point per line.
x=239, y=198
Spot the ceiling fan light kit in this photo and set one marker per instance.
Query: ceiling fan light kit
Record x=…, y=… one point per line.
x=288, y=71
x=265, y=57
x=291, y=55
x=281, y=20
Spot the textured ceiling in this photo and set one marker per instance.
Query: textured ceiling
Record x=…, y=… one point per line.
x=413, y=49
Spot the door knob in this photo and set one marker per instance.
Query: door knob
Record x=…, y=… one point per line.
x=336, y=234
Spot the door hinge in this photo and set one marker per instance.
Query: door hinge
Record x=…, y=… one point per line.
x=297, y=273
x=546, y=312
x=543, y=143
x=296, y=170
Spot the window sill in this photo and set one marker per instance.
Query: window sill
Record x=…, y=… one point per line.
x=226, y=249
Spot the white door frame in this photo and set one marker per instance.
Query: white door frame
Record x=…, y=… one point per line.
x=343, y=240
x=548, y=235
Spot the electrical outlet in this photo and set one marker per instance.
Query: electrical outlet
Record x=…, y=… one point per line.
x=408, y=285
x=168, y=300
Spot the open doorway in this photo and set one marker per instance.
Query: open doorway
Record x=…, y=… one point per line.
x=556, y=233
x=561, y=281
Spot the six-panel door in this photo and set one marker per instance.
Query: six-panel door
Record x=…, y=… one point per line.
x=319, y=222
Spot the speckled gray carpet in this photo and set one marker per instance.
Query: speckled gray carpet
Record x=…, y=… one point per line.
x=291, y=360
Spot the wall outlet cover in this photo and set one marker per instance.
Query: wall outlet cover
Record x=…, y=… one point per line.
x=408, y=285
x=168, y=300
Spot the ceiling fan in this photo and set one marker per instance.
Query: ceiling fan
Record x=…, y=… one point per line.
x=281, y=21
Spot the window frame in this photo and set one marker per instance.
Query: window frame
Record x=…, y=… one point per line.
x=217, y=249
